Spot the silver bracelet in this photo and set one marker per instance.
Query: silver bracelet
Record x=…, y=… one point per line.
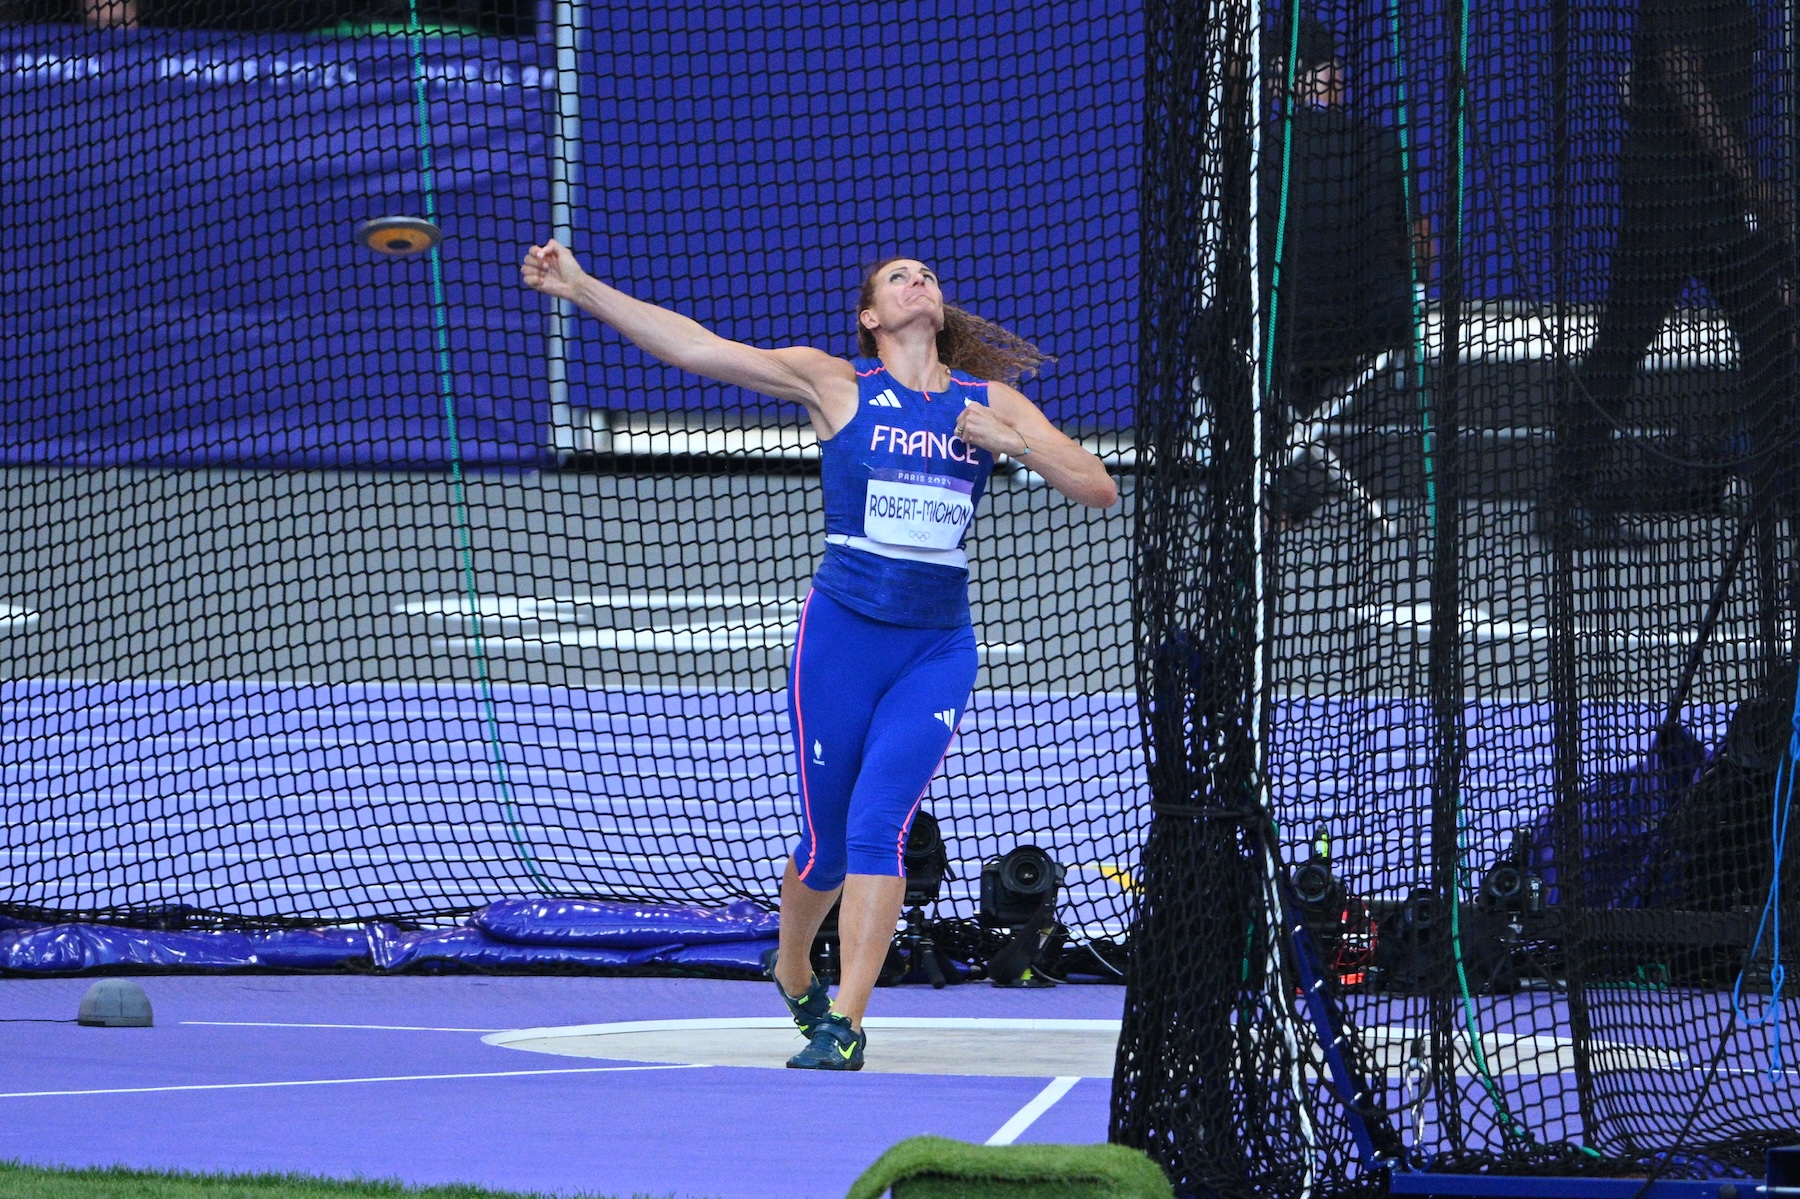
x=1027, y=450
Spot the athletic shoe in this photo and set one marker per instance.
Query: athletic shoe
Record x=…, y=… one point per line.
x=834, y=1045
x=811, y=1009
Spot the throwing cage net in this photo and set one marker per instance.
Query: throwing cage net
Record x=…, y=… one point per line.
x=343, y=584
x=1465, y=593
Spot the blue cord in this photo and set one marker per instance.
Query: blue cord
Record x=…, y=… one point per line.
x=1771, y=913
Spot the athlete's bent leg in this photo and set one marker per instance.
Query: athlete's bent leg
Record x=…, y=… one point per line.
x=803, y=910
x=830, y=703
x=909, y=734
x=865, y=930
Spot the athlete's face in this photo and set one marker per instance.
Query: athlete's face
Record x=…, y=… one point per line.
x=905, y=291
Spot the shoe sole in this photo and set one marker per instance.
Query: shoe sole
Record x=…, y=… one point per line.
x=850, y=1069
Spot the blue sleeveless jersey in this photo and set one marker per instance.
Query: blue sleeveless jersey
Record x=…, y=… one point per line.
x=900, y=494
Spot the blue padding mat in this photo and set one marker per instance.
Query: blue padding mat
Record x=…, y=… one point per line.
x=730, y=941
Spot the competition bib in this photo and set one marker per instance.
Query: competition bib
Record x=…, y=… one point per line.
x=923, y=511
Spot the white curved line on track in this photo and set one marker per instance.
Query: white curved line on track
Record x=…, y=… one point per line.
x=874, y=1022
x=333, y=1082
x=369, y=1027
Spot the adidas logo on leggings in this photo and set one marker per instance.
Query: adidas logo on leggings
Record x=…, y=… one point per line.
x=948, y=716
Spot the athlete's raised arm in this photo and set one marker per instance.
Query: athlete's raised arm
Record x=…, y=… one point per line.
x=1013, y=425
x=826, y=385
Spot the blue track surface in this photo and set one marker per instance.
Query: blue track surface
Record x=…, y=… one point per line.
x=389, y=1078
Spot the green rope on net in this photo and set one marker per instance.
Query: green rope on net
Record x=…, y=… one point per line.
x=440, y=320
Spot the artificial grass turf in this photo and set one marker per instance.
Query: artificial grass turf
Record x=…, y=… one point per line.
x=939, y=1168
x=32, y=1182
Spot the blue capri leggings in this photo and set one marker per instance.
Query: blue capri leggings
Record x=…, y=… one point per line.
x=873, y=707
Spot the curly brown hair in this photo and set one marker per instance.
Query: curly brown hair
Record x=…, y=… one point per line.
x=966, y=342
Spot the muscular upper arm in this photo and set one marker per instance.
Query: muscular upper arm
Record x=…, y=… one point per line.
x=796, y=373
x=800, y=374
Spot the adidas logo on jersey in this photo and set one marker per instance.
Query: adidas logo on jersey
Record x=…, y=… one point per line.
x=948, y=716
x=886, y=399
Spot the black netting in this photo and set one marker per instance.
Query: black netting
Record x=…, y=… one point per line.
x=1466, y=382
x=1446, y=629
x=270, y=656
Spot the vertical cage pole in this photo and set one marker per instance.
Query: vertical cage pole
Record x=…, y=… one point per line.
x=565, y=177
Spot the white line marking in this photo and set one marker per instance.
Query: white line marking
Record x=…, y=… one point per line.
x=878, y=1023
x=371, y=1027
x=1026, y=1116
x=330, y=1082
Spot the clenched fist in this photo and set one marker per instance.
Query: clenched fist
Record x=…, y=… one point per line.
x=552, y=269
x=980, y=425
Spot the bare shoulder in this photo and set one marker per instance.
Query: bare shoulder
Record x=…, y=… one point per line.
x=814, y=364
x=825, y=372
x=826, y=385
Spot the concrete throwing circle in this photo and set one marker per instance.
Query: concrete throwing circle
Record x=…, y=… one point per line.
x=897, y=1044
x=1022, y=1048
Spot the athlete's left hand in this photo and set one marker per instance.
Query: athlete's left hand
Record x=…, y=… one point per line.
x=980, y=425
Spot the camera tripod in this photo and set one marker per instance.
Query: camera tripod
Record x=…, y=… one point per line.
x=916, y=945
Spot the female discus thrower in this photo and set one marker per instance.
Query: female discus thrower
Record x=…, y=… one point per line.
x=884, y=661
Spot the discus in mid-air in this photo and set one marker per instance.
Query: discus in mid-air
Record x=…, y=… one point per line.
x=398, y=236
